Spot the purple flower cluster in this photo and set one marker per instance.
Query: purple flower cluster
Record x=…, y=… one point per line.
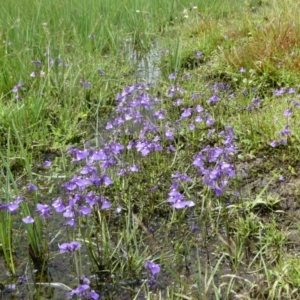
x=43, y=210
x=285, y=90
x=136, y=115
x=12, y=207
x=175, y=91
x=143, y=125
x=84, y=291
x=69, y=247
x=85, y=84
x=78, y=205
x=176, y=198
x=199, y=54
x=286, y=131
x=134, y=111
x=215, y=163
x=40, y=69
x=255, y=104
x=82, y=190
x=218, y=88
x=17, y=90
x=199, y=114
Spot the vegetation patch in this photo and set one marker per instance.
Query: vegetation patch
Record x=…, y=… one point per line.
x=149, y=150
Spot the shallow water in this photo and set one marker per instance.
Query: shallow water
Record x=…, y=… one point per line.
x=146, y=64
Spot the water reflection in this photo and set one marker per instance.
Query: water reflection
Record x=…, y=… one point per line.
x=146, y=64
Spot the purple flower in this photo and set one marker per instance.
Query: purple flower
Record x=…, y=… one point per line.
x=172, y=76
x=43, y=210
x=11, y=287
x=47, y=163
x=87, y=85
x=186, y=76
x=152, y=267
x=85, y=210
x=186, y=112
x=192, y=126
x=115, y=148
x=177, y=102
x=102, y=73
x=80, y=290
x=171, y=148
x=160, y=115
x=12, y=207
x=287, y=112
x=105, y=204
x=71, y=223
x=199, y=108
x=31, y=187
x=213, y=99
x=181, y=177
x=193, y=227
x=199, y=54
x=198, y=119
x=178, y=200
x=256, y=102
x=109, y=125
x=169, y=134
x=88, y=170
x=84, y=290
x=134, y=168
x=22, y=279
x=100, y=180
x=274, y=144
x=28, y=220
x=295, y=103
x=17, y=87
x=79, y=154
x=285, y=131
x=93, y=295
x=98, y=155
x=199, y=160
x=242, y=70
x=69, y=247
x=38, y=63
x=280, y=92
x=58, y=205
x=214, y=163
x=77, y=182
x=209, y=120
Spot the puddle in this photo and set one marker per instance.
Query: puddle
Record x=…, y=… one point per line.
x=147, y=64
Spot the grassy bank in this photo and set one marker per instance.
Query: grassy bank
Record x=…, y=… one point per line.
x=185, y=188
